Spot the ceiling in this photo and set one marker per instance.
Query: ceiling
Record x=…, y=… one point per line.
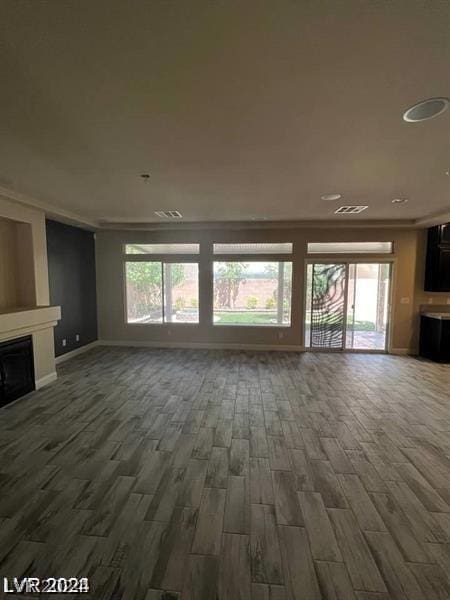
x=237, y=110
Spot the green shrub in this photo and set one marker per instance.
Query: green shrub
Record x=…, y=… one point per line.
x=180, y=303
x=271, y=304
x=252, y=302
x=193, y=303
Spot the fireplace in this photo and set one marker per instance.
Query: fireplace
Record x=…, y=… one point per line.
x=16, y=369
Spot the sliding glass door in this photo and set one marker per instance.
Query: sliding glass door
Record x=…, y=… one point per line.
x=368, y=304
x=327, y=305
x=347, y=305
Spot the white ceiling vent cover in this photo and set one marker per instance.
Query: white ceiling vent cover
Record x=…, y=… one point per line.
x=168, y=214
x=350, y=210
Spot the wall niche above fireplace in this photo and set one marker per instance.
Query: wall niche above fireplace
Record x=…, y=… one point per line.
x=17, y=279
x=16, y=369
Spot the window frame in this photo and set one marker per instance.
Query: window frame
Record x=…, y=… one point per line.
x=205, y=259
x=350, y=251
x=252, y=253
x=162, y=259
x=220, y=258
x=128, y=254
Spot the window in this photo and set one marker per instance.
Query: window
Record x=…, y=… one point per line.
x=350, y=247
x=279, y=248
x=161, y=292
x=252, y=293
x=162, y=248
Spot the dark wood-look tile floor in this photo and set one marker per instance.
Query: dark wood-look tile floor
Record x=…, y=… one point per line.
x=181, y=474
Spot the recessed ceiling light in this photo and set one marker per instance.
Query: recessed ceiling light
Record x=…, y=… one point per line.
x=425, y=110
x=399, y=200
x=329, y=197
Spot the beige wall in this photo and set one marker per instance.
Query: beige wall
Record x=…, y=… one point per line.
x=408, y=258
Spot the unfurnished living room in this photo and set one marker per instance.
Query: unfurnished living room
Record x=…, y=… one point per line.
x=225, y=299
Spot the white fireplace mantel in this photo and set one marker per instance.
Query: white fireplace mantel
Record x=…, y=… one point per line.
x=19, y=321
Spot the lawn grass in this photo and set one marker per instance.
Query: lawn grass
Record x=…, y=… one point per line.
x=270, y=318
x=245, y=318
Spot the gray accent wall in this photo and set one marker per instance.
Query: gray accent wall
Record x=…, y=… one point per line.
x=72, y=281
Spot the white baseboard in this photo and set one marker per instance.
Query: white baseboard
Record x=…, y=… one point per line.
x=39, y=383
x=72, y=353
x=203, y=345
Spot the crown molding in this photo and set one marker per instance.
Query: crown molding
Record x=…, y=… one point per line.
x=236, y=225
x=74, y=218
x=434, y=219
x=51, y=211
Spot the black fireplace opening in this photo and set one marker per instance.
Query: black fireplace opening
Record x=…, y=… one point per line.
x=16, y=369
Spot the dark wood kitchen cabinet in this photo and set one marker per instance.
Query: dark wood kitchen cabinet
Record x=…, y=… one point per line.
x=437, y=268
x=435, y=336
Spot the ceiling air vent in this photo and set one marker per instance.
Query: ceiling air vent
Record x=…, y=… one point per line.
x=168, y=214
x=350, y=210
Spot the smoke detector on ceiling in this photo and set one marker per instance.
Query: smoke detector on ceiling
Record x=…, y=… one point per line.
x=168, y=214
x=350, y=210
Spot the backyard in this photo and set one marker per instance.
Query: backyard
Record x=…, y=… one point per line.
x=246, y=317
